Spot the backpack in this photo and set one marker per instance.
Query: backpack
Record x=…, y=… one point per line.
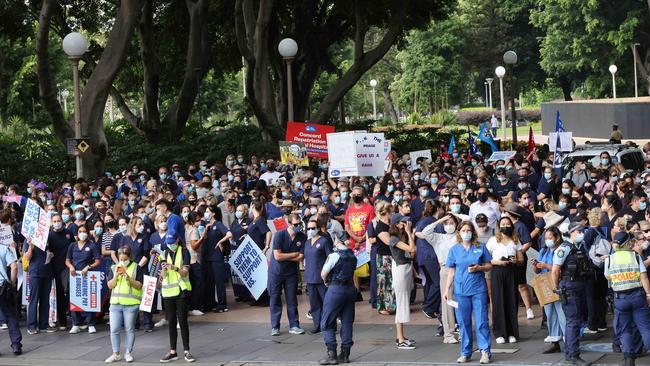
x=599, y=248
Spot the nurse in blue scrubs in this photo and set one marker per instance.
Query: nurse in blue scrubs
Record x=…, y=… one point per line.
x=237, y=233
x=319, y=245
x=467, y=262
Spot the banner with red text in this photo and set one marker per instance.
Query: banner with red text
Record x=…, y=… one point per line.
x=312, y=135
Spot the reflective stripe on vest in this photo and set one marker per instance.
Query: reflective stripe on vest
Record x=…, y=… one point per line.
x=173, y=282
x=123, y=293
x=624, y=270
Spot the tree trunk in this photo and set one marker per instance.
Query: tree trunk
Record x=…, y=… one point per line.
x=388, y=101
x=565, y=84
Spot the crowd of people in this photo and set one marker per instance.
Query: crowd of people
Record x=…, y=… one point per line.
x=461, y=226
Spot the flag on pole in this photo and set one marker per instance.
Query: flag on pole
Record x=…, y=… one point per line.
x=559, y=126
x=472, y=143
x=557, y=160
x=531, y=143
x=452, y=145
x=485, y=136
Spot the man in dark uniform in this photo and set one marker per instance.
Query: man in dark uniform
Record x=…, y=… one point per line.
x=571, y=271
x=8, y=279
x=337, y=273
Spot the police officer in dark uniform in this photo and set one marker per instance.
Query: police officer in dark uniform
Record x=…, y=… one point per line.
x=571, y=271
x=337, y=273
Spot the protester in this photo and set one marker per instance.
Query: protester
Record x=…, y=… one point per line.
x=319, y=245
x=83, y=256
x=8, y=283
x=385, y=295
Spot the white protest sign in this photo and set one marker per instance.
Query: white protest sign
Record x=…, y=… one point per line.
x=36, y=225
x=342, y=152
x=419, y=154
x=6, y=236
x=251, y=266
x=566, y=139
x=148, y=293
x=372, y=149
x=502, y=155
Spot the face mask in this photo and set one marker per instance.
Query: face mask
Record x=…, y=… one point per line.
x=501, y=179
x=357, y=199
x=159, y=213
x=297, y=228
x=172, y=247
x=462, y=186
x=454, y=155
x=344, y=195
x=325, y=198
x=65, y=218
x=99, y=231
x=131, y=203
x=455, y=208
x=549, y=242
x=239, y=215
x=397, y=199
x=79, y=216
x=395, y=175
x=579, y=237
x=434, y=180
x=139, y=229
x=547, y=176
x=645, y=245
x=123, y=229
x=58, y=226
x=207, y=216
x=177, y=173
x=642, y=205
x=337, y=200
x=313, y=211
x=483, y=197
x=525, y=202
x=163, y=176
x=231, y=177
x=184, y=215
x=311, y=233
x=522, y=185
x=466, y=236
x=390, y=188
x=604, y=161
x=507, y=231
x=125, y=263
x=450, y=229
x=445, y=199
x=162, y=226
x=240, y=160
x=424, y=193
x=51, y=213
x=142, y=216
x=614, y=178
x=83, y=236
x=416, y=177
x=43, y=198
x=562, y=205
x=474, y=163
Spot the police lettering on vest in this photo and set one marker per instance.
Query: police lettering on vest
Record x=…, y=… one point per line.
x=624, y=270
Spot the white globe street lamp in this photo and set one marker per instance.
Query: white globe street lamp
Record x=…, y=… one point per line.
x=490, y=80
x=288, y=49
x=373, y=85
x=500, y=72
x=612, y=70
x=75, y=46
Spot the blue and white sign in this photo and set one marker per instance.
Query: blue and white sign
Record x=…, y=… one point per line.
x=251, y=266
x=502, y=155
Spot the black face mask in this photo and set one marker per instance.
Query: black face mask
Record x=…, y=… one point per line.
x=471, y=197
x=308, y=190
x=611, y=199
x=507, y=231
x=357, y=199
x=286, y=211
x=483, y=197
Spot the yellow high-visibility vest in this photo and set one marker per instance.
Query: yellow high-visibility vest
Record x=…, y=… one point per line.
x=124, y=293
x=173, y=282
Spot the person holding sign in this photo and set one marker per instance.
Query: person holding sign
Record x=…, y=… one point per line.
x=319, y=245
x=176, y=287
x=59, y=242
x=83, y=256
x=40, y=284
x=125, y=281
x=283, y=274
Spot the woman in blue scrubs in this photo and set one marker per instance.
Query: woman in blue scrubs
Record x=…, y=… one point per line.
x=318, y=246
x=237, y=233
x=467, y=262
x=213, y=253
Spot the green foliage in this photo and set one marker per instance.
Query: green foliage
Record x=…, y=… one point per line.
x=403, y=140
x=443, y=118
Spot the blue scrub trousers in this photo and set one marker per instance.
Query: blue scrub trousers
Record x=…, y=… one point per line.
x=430, y=268
x=196, y=279
x=632, y=309
x=78, y=315
x=275, y=286
x=8, y=309
x=316, y=293
x=476, y=305
x=61, y=277
x=339, y=302
x=574, y=312
x=38, y=311
x=219, y=275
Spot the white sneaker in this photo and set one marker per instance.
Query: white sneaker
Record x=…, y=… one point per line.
x=161, y=323
x=501, y=340
x=450, y=341
x=113, y=358
x=529, y=314
x=485, y=357
x=75, y=329
x=92, y=330
x=4, y=326
x=463, y=359
x=196, y=313
x=128, y=357
x=589, y=331
x=83, y=327
x=178, y=325
x=512, y=339
x=548, y=339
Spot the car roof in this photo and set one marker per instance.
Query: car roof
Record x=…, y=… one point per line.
x=597, y=148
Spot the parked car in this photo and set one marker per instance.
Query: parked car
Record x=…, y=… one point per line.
x=631, y=157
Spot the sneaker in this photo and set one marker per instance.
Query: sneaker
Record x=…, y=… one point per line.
x=406, y=340
x=296, y=330
x=32, y=331
x=148, y=330
x=189, y=357
x=450, y=341
x=589, y=331
x=430, y=316
x=92, y=330
x=196, y=313
x=83, y=327
x=161, y=323
x=113, y=358
x=275, y=332
x=512, y=339
x=501, y=340
x=63, y=328
x=128, y=357
x=75, y=329
x=405, y=345
x=4, y=326
x=463, y=359
x=169, y=357
x=309, y=315
x=602, y=329
x=548, y=339
x=529, y=314
x=485, y=357
x=50, y=329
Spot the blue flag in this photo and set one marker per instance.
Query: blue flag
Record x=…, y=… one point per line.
x=452, y=145
x=559, y=126
x=485, y=136
x=557, y=160
x=472, y=143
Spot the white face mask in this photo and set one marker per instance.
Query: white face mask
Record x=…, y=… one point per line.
x=162, y=226
x=139, y=229
x=83, y=236
x=645, y=245
x=125, y=263
x=450, y=229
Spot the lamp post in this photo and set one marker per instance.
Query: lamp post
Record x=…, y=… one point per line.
x=489, y=80
x=64, y=95
x=500, y=72
x=510, y=58
x=486, y=95
x=288, y=48
x=373, y=85
x=636, y=86
x=612, y=70
x=75, y=45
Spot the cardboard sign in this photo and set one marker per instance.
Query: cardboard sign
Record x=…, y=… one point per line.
x=293, y=153
x=542, y=284
x=148, y=293
x=277, y=224
x=85, y=292
x=372, y=150
x=419, y=154
x=15, y=199
x=363, y=257
x=24, y=299
x=342, y=149
x=566, y=140
x=502, y=155
x=251, y=266
x=312, y=135
x=52, y=314
x=155, y=268
x=6, y=235
x=36, y=225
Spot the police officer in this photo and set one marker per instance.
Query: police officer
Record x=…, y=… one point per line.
x=629, y=280
x=341, y=294
x=571, y=271
x=7, y=296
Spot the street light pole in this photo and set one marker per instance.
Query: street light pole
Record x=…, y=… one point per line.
x=75, y=45
x=510, y=58
x=612, y=70
x=288, y=48
x=373, y=85
x=489, y=80
x=636, y=85
x=487, y=100
x=500, y=73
